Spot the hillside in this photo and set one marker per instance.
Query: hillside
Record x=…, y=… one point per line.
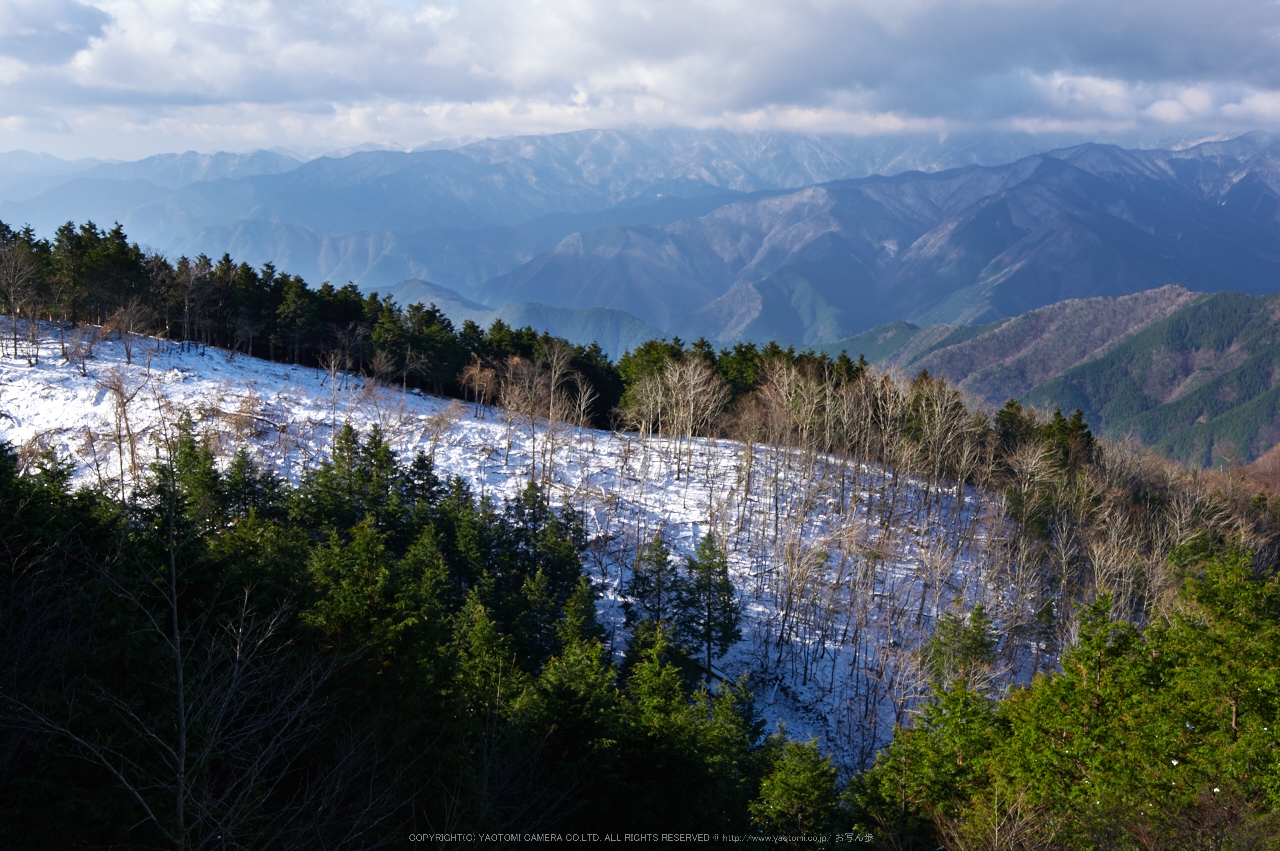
x=490, y=580
x=783, y=517
x=1200, y=383
x=1187, y=372
x=1008, y=359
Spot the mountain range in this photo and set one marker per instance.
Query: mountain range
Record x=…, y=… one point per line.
x=961, y=246
x=1011, y=270
x=377, y=214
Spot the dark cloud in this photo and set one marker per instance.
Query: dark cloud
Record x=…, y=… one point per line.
x=48, y=32
x=349, y=70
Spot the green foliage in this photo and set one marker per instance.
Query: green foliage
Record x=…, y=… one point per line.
x=1069, y=439
x=407, y=653
x=798, y=797
x=1015, y=426
x=1162, y=738
x=958, y=650
x=651, y=590
x=707, y=611
x=930, y=770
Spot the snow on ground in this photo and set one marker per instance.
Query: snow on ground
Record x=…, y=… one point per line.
x=840, y=566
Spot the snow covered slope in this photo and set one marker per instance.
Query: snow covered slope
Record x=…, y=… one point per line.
x=840, y=566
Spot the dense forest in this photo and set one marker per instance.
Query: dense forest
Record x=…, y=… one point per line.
x=218, y=656
x=227, y=661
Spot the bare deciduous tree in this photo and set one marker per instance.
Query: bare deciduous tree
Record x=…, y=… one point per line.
x=439, y=424
x=134, y=319
x=18, y=276
x=124, y=388
x=481, y=380
x=382, y=366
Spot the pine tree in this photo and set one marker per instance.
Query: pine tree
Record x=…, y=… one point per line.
x=250, y=489
x=652, y=590
x=798, y=797
x=960, y=651
x=197, y=478
x=707, y=614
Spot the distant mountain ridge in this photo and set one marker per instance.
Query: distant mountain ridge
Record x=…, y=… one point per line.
x=969, y=245
x=383, y=194
x=614, y=331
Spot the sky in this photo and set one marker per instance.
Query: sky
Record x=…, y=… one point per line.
x=128, y=78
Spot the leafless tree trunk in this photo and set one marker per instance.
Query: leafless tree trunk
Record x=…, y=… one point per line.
x=523, y=394
x=481, y=381
x=18, y=275
x=695, y=397
x=124, y=389
x=133, y=319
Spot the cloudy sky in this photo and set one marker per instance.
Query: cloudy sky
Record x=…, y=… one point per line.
x=128, y=78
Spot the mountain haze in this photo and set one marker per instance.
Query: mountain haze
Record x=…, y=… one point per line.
x=205, y=203
x=970, y=245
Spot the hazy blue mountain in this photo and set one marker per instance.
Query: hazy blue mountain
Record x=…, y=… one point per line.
x=969, y=245
x=20, y=163
x=487, y=183
x=99, y=201
x=24, y=174
x=458, y=258
x=615, y=331
x=174, y=171
x=712, y=233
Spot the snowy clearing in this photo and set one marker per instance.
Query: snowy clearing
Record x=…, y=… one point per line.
x=841, y=566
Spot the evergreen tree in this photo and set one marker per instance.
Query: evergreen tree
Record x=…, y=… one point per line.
x=707, y=612
x=652, y=590
x=251, y=490
x=197, y=478
x=798, y=797
x=959, y=650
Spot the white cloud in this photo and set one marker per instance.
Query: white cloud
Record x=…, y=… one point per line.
x=137, y=76
x=1257, y=107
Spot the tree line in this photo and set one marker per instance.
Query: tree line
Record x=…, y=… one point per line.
x=87, y=274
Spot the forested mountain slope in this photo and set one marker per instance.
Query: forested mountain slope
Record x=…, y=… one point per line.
x=1201, y=383
x=1009, y=357
x=1188, y=372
